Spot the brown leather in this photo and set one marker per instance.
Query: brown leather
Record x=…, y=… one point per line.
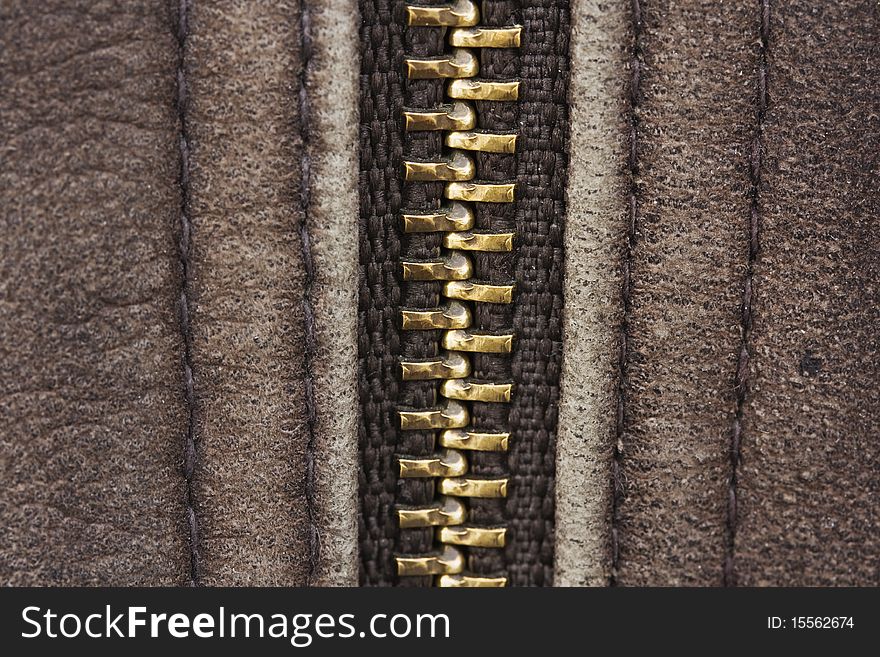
x=729, y=143
x=91, y=408
x=248, y=278
x=810, y=475
x=95, y=408
x=696, y=115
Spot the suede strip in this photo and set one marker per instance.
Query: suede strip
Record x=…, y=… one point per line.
x=91, y=400
x=693, y=110
x=332, y=87
x=248, y=278
x=596, y=197
x=809, y=478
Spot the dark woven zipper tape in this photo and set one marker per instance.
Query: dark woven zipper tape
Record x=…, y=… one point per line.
x=542, y=165
x=381, y=190
x=540, y=117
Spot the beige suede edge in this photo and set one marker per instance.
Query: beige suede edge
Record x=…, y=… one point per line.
x=332, y=84
x=594, y=240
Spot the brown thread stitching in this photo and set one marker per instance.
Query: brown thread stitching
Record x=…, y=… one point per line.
x=185, y=246
x=742, y=368
x=626, y=290
x=309, y=263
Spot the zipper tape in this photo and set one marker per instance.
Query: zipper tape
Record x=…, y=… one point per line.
x=452, y=370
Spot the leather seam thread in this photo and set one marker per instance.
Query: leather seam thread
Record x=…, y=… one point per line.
x=190, y=453
x=742, y=368
x=308, y=307
x=618, y=491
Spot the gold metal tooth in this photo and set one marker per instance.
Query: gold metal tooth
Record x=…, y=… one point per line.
x=449, y=562
x=454, y=415
x=482, y=292
x=457, y=116
x=486, y=142
x=483, y=343
x=452, y=365
x=486, y=537
x=481, y=192
x=486, y=37
x=472, y=487
x=449, y=463
x=454, y=217
x=460, y=64
x=479, y=391
x=463, y=13
x=455, y=266
x=482, y=89
x=475, y=440
x=448, y=511
x=459, y=167
x=454, y=315
x=470, y=581
x=488, y=242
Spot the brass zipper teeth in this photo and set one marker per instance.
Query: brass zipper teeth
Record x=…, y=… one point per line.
x=448, y=515
x=469, y=581
x=447, y=511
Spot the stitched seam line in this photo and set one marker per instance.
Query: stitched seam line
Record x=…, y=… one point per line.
x=742, y=368
x=308, y=308
x=190, y=454
x=626, y=290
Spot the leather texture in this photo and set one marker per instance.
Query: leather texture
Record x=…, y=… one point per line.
x=595, y=243
x=247, y=282
x=272, y=286
x=695, y=109
x=810, y=474
x=745, y=375
x=719, y=405
x=114, y=147
x=91, y=411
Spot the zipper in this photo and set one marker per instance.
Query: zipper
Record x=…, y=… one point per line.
x=458, y=491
